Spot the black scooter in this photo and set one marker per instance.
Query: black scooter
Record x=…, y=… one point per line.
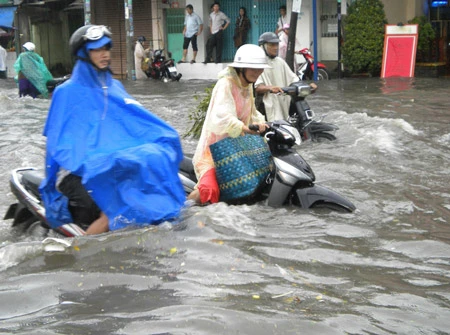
x=55, y=82
x=304, y=119
x=291, y=183
x=163, y=69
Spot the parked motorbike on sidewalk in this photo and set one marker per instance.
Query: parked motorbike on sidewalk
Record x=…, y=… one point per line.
x=305, y=70
x=304, y=119
x=161, y=68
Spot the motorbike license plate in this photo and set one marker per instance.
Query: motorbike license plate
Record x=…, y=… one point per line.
x=172, y=69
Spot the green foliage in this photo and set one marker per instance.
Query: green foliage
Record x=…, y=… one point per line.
x=198, y=114
x=364, y=28
x=426, y=37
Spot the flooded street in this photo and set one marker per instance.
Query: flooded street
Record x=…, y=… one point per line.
x=384, y=269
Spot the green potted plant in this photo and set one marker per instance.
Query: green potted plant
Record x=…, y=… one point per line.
x=363, y=31
x=426, y=39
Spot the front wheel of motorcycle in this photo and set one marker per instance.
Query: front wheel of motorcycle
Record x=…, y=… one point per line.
x=330, y=206
x=323, y=137
x=323, y=74
x=36, y=229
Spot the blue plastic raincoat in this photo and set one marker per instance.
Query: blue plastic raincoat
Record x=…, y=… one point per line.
x=127, y=157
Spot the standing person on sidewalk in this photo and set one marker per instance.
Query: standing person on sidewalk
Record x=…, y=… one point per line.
x=140, y=55
x=193, y=27
x=241, y=29
x=3, y=56
x=218, y=22
x=282, y=20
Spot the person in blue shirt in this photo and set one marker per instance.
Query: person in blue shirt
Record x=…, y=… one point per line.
x=110, y=163
x=193, y=27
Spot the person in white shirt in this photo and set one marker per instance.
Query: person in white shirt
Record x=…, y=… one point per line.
x=193, y=27
x=3, y=55
x=282, y=20
x=218, y=22
x=276, y=106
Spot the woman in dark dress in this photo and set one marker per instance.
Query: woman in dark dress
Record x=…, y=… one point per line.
x=242, y=28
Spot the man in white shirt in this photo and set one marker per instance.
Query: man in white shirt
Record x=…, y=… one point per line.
x=271, y=81
x=218, y=22
x=193, y=27
x=3, y=55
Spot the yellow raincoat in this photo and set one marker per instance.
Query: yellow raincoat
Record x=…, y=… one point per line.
x=231, y=107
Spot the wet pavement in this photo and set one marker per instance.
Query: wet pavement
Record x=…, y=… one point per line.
x=384, y=269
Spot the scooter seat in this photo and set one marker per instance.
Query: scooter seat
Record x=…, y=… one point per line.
x=32, y=179
x=187, y=169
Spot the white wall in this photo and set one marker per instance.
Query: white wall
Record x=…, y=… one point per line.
x=10, y=60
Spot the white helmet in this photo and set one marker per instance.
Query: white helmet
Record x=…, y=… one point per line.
x=29, y=46
x=250, y=56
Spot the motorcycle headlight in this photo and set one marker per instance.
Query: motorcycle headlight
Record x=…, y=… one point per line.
x=291, y=132
x=304, y=91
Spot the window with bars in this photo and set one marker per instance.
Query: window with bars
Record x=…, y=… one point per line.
x=329, y=18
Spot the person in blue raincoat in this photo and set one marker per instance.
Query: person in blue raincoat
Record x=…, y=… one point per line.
x=110, y=163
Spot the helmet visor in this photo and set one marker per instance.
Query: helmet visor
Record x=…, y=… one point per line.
x=96, y=32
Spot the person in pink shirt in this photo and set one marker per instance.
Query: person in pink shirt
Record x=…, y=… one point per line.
x=231, y=110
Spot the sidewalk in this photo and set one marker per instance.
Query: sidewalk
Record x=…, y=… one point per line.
x=199, y=70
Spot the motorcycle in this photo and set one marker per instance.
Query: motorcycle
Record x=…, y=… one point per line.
x=53, y=83
x=291, y=183
x=162, y=68
x=305, y=70
x=304, y=119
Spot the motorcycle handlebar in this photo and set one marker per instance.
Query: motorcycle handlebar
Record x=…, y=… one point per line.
x=253, y=127
x=273, y=133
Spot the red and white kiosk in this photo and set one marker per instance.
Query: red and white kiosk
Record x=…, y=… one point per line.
x=400, y=47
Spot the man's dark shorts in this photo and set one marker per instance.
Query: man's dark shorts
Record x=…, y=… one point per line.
x=83, y=209
x=192, y=39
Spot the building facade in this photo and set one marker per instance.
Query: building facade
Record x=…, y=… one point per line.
x=49, y=24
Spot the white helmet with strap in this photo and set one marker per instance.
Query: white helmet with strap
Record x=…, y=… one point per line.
x=250, y=56
x=29, y=46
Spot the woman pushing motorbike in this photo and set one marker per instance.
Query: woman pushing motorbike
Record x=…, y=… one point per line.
x=110, y=163
x=230, y=112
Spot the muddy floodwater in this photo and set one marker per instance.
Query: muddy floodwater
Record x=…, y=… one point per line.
x=384, y=269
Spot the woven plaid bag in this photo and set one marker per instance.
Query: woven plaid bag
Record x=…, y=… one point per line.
x=242, y=165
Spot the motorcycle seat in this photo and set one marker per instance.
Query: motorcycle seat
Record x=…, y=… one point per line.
x=187, y=169
x=32, y=179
